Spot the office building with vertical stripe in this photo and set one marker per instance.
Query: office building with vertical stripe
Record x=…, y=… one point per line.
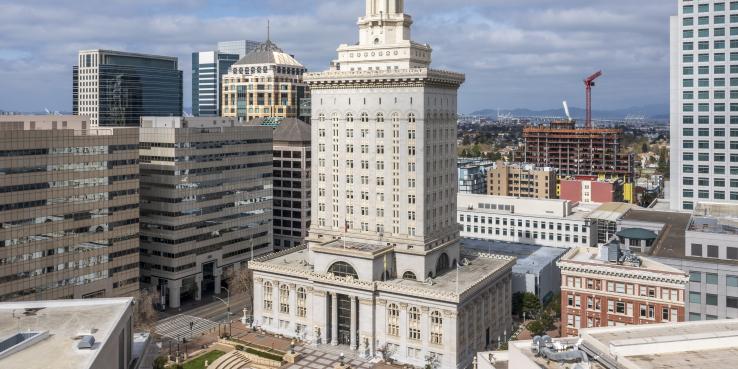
x=68, y=209
x=208, y=68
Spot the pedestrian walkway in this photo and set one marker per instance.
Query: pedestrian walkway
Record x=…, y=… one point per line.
x=184, y=326
x=325, y=356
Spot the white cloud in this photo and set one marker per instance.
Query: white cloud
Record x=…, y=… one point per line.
x=522, y=53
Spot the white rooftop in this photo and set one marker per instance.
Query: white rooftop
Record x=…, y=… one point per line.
x=704, y=344
x=66, y=321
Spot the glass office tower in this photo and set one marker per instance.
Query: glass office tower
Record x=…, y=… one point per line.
x=208, y=67
x=117, y=88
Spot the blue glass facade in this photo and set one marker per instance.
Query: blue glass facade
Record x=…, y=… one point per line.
x=206, y=77
x=124, y=87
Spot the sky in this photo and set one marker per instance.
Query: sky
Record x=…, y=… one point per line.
x=515, y=53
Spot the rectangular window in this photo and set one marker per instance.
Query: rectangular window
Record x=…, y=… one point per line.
x=731, y=281
x=711, y=299
x=695, y=277
x=696, y=249
x=711, y=278
x=695, y=298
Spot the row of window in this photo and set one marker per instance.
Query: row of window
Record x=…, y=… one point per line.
x=504, y=221
x=705, y=108
x=705, y=32
x=704, y=8
x=668, y=294
x=710, y=278
x=705, y=194
x=647, y=311
x=705, y=182
x=705, y=156
x=712, y=300
x=705, y=169
x=413, y=321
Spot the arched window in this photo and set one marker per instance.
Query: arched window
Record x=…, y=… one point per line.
x=380, y=118
x=413, y=321
x=349, y=118
x=395, y=117
x=442, y=264
x=301, y=302
x=284, y=299
x=411, y=118
x=393, y=320
x=409, y=275
x=321, y=117
x=268, y=297
x=436, y=328
x=334, y=117
x=342, y=269
x=364, y=118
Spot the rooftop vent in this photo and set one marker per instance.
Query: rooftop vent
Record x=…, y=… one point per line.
x=20, y=341
x=86, y=342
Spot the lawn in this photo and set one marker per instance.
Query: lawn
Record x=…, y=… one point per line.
x=199, y=362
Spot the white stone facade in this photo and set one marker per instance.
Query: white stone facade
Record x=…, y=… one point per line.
x=704, y=150
x=383, y=270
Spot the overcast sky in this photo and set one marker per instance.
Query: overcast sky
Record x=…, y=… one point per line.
x=515, y=53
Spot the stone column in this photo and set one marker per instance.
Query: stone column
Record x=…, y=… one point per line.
x=198, y=290
x=334, y=319
x=354, y=312
x=216, y=285
x=174, y=288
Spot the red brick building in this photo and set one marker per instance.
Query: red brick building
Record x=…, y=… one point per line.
x=596, y=292
x=590, y=189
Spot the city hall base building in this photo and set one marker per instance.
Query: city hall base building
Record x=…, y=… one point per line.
x=382, y=270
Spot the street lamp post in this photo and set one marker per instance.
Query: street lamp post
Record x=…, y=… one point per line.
x=227, y=302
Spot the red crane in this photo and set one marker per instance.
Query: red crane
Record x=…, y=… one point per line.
x=588, y=83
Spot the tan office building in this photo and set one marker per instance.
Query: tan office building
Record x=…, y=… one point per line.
x=521, y=180
x=206, y=203
x=266, y=83
x=68, y=209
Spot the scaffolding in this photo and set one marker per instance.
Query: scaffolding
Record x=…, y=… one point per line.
x=578, y=151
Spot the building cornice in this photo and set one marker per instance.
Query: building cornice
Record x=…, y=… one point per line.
x=384, y=78
x=263, y=264
x=623, y=272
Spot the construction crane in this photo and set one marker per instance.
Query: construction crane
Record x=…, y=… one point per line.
x=588, y=83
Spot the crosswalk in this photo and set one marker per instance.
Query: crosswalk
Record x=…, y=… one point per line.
x=185, y=326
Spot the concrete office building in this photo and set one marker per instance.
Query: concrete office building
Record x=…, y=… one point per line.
x=535, y=268
x=383, y=267
x=265, y=83
x=206, y=202
x=704, y=247
x=554, y=223
x=70, y=334
x=685, y=345
x=704, y=138
x=208, y=68
x=239, y=47
x=68, y=209
x=115, y=88
x=292, y=165
x=521, y=180
x=602, y=288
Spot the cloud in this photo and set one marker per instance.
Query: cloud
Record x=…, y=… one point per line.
x=523, y=53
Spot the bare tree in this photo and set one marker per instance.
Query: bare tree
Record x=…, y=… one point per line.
x=241, y=281
x=144, y=313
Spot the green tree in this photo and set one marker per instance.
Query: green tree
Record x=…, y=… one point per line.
x=536, y=328
x=644, y=147
x=663, y=166
x=530, y=305
x=476, y=151
x=160, y=362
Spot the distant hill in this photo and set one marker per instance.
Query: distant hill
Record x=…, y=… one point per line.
x=653, y=112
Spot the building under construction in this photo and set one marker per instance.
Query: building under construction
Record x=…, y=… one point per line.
x=578, y=151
